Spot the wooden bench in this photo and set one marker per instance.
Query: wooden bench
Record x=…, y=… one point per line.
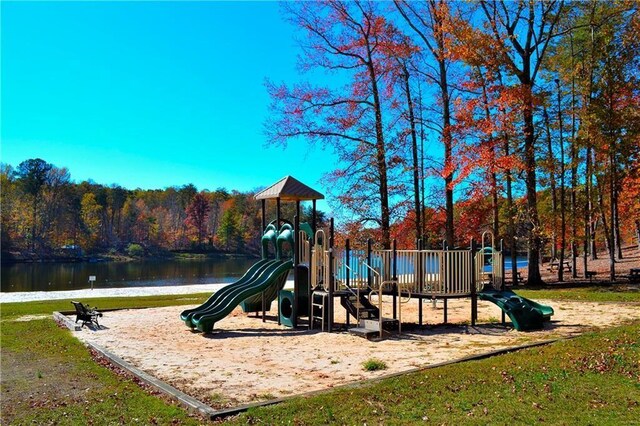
x=86, y=314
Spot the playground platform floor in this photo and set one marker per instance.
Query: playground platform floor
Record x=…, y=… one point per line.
x=246, y=360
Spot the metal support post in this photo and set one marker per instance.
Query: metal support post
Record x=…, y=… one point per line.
x=394, y=290
x=331, y=279
x=474, y=296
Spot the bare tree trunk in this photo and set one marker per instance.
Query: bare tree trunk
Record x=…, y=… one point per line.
x=552, y=183
x=381, y=160
x=511, y=223
x=592, y=223
x=434, y=27
x=637, y=222
x=533, y=266
x=574, y=172
x=414, y=152
x=494, y=205
x=616, y=221
x=446, y=136
x=494, y=178
x=612, y=211
x=608, y=231
x=563, y=221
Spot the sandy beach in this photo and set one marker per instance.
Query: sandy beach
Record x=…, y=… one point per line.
x=28, y=296
x=246, y=360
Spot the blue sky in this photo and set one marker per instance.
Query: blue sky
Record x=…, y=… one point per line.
x=150, y=95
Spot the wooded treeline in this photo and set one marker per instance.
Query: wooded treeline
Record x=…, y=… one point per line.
x=45, y=214
x=524, y=112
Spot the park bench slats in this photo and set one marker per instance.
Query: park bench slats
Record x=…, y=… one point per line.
x=86, y=314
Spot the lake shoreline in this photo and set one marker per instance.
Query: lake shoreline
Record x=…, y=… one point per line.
x=11, y=259
x=87, y=293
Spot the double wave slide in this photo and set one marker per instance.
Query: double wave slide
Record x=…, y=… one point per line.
x=271, y=273
x=525, y=314
x=252, y=272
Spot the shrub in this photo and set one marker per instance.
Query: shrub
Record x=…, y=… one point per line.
x=135, y=250
x=373, y=364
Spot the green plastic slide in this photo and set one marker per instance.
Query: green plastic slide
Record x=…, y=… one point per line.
x=251, y=273
x=275, y=274
x=525, y=314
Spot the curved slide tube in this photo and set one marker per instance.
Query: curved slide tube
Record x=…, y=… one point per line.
x=275, y=274
x=251, y=273
x=525, y=314
x=224, y=292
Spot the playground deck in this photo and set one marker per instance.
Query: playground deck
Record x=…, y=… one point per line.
x=247, y=360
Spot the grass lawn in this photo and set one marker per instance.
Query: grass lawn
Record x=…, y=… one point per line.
x=586, y=294
x=48, y=377
x=593, y=379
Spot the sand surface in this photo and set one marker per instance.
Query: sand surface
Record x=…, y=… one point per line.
x=246, y=360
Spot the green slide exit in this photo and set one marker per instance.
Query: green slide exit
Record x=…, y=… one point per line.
x=525, y=314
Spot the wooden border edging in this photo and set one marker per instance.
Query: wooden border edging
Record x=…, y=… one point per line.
x=65, y=321
x=220, y=414
x=189, y=402
x=195, y=405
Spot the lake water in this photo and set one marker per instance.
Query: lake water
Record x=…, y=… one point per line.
x=431, y=265
x=73, y=276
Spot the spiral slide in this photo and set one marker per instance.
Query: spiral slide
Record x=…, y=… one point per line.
x=272, y=273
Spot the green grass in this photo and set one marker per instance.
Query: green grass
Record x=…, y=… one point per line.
x=584, y=294
x=373, y=364
x=593, y=379
x=13, y=310
x=49, y=377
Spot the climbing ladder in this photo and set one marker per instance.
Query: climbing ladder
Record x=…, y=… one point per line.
x=319, y=308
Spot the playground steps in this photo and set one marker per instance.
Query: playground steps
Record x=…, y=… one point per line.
x=370, y=328
x=365, y=332
x=359, y=307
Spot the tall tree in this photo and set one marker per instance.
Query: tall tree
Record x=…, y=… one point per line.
x=431, y=23
x=32, y=177
x=352, y=41
x=523, y=31
x=197, y=215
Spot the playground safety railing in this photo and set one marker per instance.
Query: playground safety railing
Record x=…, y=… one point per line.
x=304, y=248
x=436, y=273
x=419, y=270
x=319, y=261
x=488, y=269
x=433, y=272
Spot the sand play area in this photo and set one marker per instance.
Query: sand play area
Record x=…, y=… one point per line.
x=246, y=360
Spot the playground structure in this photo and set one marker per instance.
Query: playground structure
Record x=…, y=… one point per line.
x=360, y=277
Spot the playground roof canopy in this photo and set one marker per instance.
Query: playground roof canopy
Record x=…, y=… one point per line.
x=289, y=189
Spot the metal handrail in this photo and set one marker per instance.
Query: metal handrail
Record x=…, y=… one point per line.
x=379, y=296
x=355, y=293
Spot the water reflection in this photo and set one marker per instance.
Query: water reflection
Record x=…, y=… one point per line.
x=72, y=276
